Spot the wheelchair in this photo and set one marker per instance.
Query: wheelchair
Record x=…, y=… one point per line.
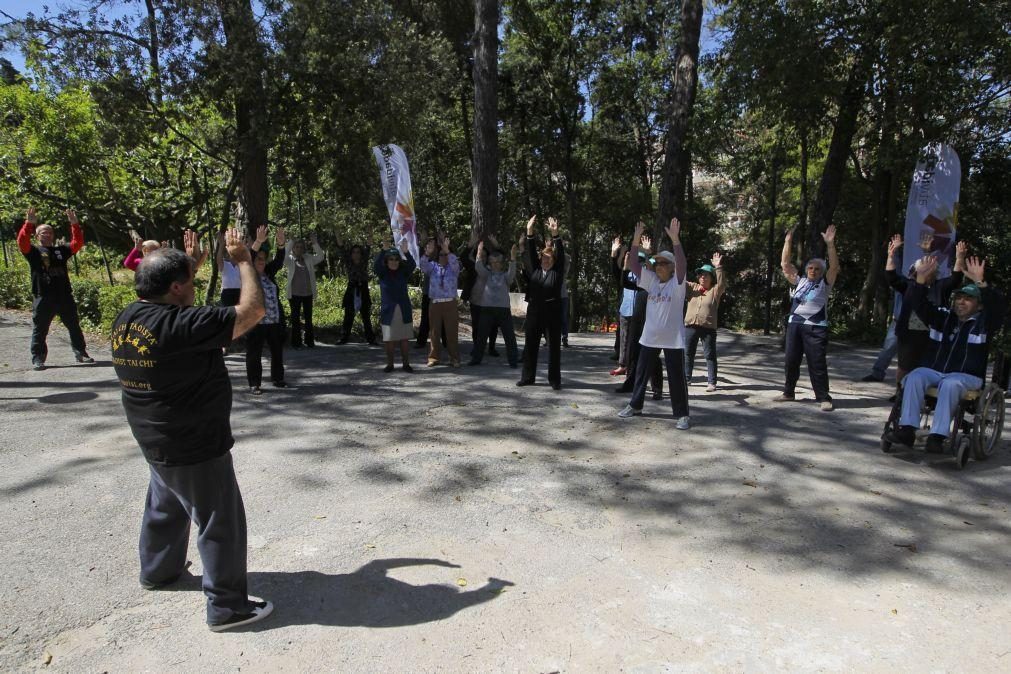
x=976, y=424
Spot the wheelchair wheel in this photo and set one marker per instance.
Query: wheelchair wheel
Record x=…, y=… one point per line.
x=962, y=451
x=892, y=423
x=988, y=422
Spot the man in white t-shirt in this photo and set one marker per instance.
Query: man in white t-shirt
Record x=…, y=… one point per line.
x=664, y=327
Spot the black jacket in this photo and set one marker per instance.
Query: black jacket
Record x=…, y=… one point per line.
x=544, y=286
x=958, y=346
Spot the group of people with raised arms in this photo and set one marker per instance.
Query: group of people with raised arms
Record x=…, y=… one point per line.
x=169, y=354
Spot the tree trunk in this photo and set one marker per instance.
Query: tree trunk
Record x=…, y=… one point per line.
x=686, y=78
x=153, y=50
x=805, y=135
x=838, y=152
x=247, y=63
x=484, y=159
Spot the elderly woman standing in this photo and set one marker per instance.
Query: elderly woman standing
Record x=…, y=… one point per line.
x=301, y=291
x=393, y=268
x=544, y=304
x=807, y=328
x=444, y=271
x=702, y=316
x=270, y=329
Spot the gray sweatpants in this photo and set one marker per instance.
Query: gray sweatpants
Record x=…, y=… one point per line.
x=206, y=494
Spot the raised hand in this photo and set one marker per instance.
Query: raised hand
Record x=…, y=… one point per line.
x=445, y=245
x=829, y=235
x=165, y=244
x=405, y=246
x=32, y=215
x=926, y=241
x=480, y=250
x=961, y=249
x=925, y=269
x=717, y=259
x=974, y=268
x=191, y=243
x=674, y=231
x=72, y=216
x=279, y=237
x=894, y=245
x=512, y=252
x=645, y=243
x=553, y=227
x=530, y=225
x=235, y=243
x=615, y=246
x=789, y=235
x=429, y=248
x=261, y=234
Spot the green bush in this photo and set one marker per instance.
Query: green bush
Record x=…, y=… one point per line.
x=111, y=301
x=15, y=287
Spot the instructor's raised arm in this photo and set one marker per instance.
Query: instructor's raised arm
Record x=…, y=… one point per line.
x=250, y=308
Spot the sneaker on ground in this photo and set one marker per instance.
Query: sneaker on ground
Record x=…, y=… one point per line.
x=827, y=406
x=280, y=384
x=657, y=395
x=84, y=358
x=682, y=424
x=710, y=388
x=38, y=365
x=261, y=609
x=871, y=378
x=783, y=398
x=618, y=371
x=388, y=368
x=406, y=367
x=255, y=390
x=628, y=411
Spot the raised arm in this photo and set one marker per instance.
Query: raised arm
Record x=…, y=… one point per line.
x=894, y=246
x=27, y=231
x=916, y=294
x=633, y=263
x=832, y=273
x=219, y=253
x=317, y=251
x=721, y=274
x=531, y=247
x=789, y=269
x=250, y=309
x=133, y=258
x=261, y=238
x=76, y=232
x=680, y=262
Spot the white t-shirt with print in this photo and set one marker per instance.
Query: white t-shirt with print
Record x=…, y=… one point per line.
x=665, y=312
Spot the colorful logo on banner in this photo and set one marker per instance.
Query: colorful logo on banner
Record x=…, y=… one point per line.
x=932, y=209
x=395, y=176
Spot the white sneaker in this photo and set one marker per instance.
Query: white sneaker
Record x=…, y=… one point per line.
x=628, y=411
x=261, y=609
x=682, y=424
x=710, y=388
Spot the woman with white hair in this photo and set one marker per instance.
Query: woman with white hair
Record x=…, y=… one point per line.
x=807, y=326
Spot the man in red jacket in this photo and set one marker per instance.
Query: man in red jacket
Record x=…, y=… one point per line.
x=51, y=284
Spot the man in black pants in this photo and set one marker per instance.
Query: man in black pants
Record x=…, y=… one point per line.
x=544, y=305
x=53, y=295
x=178, y=398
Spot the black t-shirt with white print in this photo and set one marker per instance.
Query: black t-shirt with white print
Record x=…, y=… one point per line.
x=176, y=390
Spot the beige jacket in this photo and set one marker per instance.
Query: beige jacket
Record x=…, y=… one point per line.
x=703, y=306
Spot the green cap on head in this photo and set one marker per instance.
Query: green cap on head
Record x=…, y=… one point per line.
x=707, y=269
x=971, y=290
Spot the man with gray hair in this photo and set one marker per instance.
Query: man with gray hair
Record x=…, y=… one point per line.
x=178, y=399
x=51, y=290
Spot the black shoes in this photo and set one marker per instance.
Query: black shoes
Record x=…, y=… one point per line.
x=903, y=435
x=261, y=609
x=871, y=378
x=556, y=386
x=280, y=384
x=935, y=444
x=406, y=367
x=388, y=368
x=83, y=357
x=525, y=382
x=38, y=364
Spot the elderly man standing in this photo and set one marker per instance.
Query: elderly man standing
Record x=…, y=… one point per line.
x=178, y=399
x=807, y=330
x=956, y=356
x=53, y=295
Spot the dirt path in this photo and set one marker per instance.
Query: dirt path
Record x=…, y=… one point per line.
x=450, y=521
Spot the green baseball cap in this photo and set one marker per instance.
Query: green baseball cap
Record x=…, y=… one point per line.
x=971, y=289
x=708, y=269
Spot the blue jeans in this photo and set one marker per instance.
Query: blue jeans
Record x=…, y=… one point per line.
x=708, y=336
x=888, y=351
x=950, y=387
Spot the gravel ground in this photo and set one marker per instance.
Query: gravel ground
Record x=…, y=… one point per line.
x=450, y=521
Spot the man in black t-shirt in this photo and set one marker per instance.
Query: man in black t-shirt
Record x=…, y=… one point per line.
x=178, y=399
x=51, y=289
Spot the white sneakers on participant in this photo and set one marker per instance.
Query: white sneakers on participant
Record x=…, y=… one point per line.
x=682, y=424
x=261, y=609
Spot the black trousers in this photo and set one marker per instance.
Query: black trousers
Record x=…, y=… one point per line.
x=44, y=309
x=693, y=334
x=636, y=325
x=366, y=312
x=301, y=310
x=490, y=321
x=273, y=335
x=207, y=495
x=475, y=324
x=674, y=359
x=810, y=341
x=543, y=318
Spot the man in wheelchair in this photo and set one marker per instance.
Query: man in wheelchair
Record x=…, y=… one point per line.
x=956, y=357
